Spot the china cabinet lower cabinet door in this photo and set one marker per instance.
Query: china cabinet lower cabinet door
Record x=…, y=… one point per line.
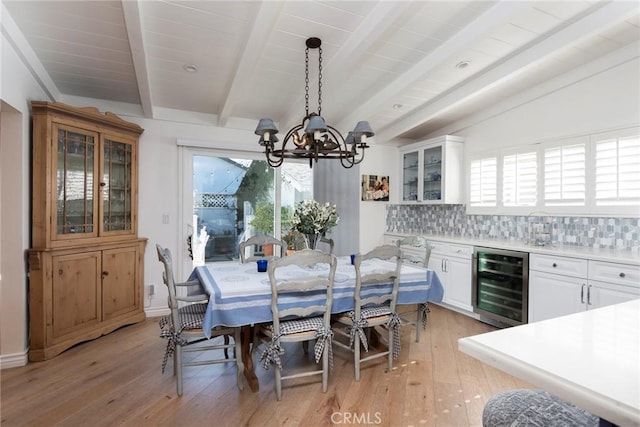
x=77, y=295
x=119, y=292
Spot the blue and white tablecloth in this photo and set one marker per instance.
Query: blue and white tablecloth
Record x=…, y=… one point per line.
x=240, y=295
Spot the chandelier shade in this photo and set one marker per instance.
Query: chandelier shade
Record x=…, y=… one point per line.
x=313, y=139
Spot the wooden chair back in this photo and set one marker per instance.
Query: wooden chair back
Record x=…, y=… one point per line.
x=316, y=282
x=377, y=277
x=279, y=247
x=418, y=242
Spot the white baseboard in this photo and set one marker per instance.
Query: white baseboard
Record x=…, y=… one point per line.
x=14, y=360
x=156, y=311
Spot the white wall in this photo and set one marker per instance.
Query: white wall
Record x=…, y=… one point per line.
x=602, y=95
x=16, y=89
x=379, y=160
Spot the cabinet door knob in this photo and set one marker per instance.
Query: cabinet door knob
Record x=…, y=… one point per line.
x=105, y=273
x=102, y=184
x=622, y=274
x=554, y=265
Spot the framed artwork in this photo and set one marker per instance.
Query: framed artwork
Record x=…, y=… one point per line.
x=375, y=188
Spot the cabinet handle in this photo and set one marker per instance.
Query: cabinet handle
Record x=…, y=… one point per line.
x=582, y=294
x=554, y=265
x=102, y=184
x=622, y=275
x=105, y=274
x=589, y=295
x=60, y=272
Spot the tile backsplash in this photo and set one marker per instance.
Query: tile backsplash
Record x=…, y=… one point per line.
x=452, y=220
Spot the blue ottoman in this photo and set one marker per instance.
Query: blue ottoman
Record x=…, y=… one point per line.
x=524, y=407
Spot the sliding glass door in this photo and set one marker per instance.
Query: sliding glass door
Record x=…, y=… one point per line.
x=228, y=197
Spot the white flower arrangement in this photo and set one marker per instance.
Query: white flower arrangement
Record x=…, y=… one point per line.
x=312, y=217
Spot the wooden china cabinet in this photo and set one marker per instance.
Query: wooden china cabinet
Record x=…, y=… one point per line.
x=86, y=260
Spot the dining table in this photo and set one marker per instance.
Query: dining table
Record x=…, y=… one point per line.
x=591, y=358
x=240, y=295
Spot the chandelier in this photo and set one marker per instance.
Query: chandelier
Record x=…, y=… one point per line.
x=318, y=140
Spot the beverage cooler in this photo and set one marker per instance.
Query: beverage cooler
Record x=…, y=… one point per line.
x=500, y=286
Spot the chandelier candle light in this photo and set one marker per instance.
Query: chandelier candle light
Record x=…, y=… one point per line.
x=318, y=140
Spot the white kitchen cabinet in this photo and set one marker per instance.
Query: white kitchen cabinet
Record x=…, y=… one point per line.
x=432, y=170
x=559, y=285
x=452, y=264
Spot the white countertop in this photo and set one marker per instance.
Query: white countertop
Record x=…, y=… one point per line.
x=596, y=254
x=591, y=359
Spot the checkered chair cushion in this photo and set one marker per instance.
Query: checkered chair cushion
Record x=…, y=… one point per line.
x=358, y=325
x=271, y=355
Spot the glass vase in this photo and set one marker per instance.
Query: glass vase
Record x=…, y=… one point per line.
x=311, y=240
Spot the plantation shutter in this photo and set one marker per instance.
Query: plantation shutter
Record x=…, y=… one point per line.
x=483, y=182
x=618, y=171
x=564, y=175
x=519, y=179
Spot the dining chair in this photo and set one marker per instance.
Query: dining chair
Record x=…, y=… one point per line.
x=261, y=240
x=373, y=306
x=418, y=242
x=295, y=319
x=326, y=242
x=183, y=326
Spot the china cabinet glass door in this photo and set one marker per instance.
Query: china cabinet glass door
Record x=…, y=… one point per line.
x=75, y=174
x=410, y=176
x=432, y=174
x=116, y=186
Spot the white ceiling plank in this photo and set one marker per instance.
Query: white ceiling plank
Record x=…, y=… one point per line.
x=476, y=30
x=266, y=19
x=571, y=34
x=376, y=53
x=23, y=48
x=134, y=24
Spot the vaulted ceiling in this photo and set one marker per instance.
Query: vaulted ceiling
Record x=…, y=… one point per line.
x=409, y=67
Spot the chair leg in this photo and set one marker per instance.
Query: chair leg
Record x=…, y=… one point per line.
x=418, y=322
x=237, y=350
x=178, y=368
x=226, y=350
x=325, y=367
x=390, y=348
x=356, y=357
x=278, y=372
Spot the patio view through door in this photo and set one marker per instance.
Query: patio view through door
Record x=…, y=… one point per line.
x=228, y=197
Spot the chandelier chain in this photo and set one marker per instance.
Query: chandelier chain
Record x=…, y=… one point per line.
x=320, y=81
x=306, y=82
x=317, y=140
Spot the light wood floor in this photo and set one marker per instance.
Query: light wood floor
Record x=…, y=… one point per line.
x=117, y=380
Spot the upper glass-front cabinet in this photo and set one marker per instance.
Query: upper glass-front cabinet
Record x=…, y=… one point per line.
x=76, y=163
x=88, y=165
x=431, y=171
x=84, y=176
x=117, y=195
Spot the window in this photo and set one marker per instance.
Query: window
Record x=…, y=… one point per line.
x=617, y=171
x=232, y=196
x=587, y=174
x=564, y=175
x=483, y=182
x=519, y=179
